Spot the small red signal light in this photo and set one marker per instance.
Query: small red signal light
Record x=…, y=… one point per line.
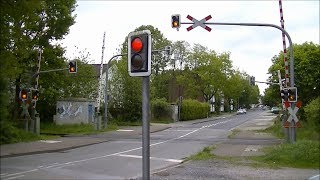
x=136, y=44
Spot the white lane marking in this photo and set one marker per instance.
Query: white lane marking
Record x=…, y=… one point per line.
x=178, y=130
x=314, y=177
x=125, y=130
x=15, y=177
x=22, y=172
x=49, y=141
x=122, y=152
x=152, y=158
x=44, y=166
x=3, y=174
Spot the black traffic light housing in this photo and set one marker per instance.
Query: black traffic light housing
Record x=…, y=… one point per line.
x=34, y=95
x=139, y=53
x=73, y=67
x=23, y=95
x=175, y=21
x=252, y=80
x=284, y=94
x=292, y=94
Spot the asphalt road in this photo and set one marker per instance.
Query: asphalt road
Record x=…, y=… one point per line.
x=121, y=158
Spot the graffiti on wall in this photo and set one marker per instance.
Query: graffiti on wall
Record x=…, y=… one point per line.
x=69, y=110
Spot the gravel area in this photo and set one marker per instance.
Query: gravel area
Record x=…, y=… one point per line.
x=222, y=169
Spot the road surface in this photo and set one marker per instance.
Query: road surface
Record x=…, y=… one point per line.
x=121, y=158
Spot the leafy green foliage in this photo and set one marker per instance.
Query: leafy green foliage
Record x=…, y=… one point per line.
x=160, y=109
x=312, y=111
x=193, y=109
x=9, y=133
x=307, y=75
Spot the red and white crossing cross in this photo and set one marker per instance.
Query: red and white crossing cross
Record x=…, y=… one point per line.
x=199, y=23
x=292, y=112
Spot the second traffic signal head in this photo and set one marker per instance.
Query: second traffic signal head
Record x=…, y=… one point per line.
x=292, y=94
x=35, y=95
x=73, y=67
x=139, y=53
x=284, y=94
x=175, y=21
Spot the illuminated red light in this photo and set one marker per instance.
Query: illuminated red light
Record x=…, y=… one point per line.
x=136, y=45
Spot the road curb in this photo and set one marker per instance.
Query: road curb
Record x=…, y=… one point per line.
x=50, y=150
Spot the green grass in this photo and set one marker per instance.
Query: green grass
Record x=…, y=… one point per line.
x=302, y=154
x=162, y=120
x=205, y=154
x=233, y=133
x=51, y=128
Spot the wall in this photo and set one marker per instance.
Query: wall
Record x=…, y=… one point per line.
x=74, y=111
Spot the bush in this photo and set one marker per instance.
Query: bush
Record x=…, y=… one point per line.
x=160, y=109
x=10, y=134
x=312, y=112
x=193, y=109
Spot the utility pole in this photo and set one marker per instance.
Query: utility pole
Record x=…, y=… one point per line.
x=97, y=116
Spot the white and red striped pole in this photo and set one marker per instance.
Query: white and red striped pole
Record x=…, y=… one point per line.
x=284, y=48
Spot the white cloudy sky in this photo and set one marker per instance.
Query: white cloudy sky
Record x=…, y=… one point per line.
x=251, y=47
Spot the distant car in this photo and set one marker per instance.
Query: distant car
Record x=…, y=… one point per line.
x=244, y=111
x=240, y=111
x=275, y=110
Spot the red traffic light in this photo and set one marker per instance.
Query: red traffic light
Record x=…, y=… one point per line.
x=136, y=44
x=139, y=53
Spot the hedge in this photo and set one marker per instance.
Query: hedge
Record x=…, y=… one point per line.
x=193, y=109
x=160, y=109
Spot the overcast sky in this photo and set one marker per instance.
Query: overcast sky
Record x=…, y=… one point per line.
x=251, y=48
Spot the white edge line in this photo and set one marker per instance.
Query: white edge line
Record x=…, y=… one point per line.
x=15, y=177
x=118, y=153
x=152, y=158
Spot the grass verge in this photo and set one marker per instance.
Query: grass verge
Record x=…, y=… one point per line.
x=51, y=128
x=205, y=154
x=302, y=154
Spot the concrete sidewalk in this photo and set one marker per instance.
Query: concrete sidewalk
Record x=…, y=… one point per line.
x=246, y=140
x=72, y=141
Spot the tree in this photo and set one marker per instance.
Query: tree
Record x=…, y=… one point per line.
x=25, y=27
x=206, y=72
x=125, y=91
x=307, y=73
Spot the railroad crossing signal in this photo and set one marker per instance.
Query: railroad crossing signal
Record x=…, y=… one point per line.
x=34, y=95
x=284, y=94
x=73, y=67
x=23, y=94
x=199, y=23
x=252, y=80
x=175, y=21
x=292, y=114
x=139, y=53
x=292, y=94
